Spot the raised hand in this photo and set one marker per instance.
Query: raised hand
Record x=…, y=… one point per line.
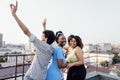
x=20, y=23
x=44, y=24
x=14, y=8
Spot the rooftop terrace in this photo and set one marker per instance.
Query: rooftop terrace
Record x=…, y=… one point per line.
x=16, y=70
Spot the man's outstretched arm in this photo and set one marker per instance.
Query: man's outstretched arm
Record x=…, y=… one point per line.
x=20, y=23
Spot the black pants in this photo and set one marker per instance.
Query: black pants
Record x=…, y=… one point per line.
x=76, y=73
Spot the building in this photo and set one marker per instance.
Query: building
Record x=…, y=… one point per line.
x=1, y=39
x=116, y=48
x=12, y=49
x=105, y=46
x=4, y=51
x=101, y=47
x=97, y=58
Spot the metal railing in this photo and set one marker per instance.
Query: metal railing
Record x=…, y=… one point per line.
x=15, y=68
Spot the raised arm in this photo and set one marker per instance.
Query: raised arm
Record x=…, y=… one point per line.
x=44, y=24
x=20, y=23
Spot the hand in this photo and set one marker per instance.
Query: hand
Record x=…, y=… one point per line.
x=69, y=65
x=14, y=8
x=44, y=23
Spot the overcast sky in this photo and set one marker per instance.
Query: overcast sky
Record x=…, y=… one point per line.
x=95, y=21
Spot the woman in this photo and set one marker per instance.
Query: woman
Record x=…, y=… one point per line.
x=58, y=60
x=76, y=66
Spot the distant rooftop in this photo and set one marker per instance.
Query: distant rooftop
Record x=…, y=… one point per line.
x=100, y=76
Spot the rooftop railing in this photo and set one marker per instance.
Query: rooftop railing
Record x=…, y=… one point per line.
x=14, y=67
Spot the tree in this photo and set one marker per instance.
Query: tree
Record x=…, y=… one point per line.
x=104, y=63
x=116, y=59
x=4, y=57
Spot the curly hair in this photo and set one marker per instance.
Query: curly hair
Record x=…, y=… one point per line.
x=79, y=41
x=70, y=38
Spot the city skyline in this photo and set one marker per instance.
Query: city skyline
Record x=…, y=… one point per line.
x=95, y=21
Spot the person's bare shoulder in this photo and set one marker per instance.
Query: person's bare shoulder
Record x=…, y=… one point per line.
x=78, y=49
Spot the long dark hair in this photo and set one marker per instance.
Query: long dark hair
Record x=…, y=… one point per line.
x=79, y=41
x=70, y=38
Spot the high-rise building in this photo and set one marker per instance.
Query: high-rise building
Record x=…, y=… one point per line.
x=1, y=39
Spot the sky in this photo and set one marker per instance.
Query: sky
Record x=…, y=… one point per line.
x=95, y=21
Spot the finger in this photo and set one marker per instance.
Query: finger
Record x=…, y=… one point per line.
x=67, y=66
x=16, y=4
x=45, y=20
x=11, y=6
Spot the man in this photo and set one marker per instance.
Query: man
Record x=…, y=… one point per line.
x=38, y=68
